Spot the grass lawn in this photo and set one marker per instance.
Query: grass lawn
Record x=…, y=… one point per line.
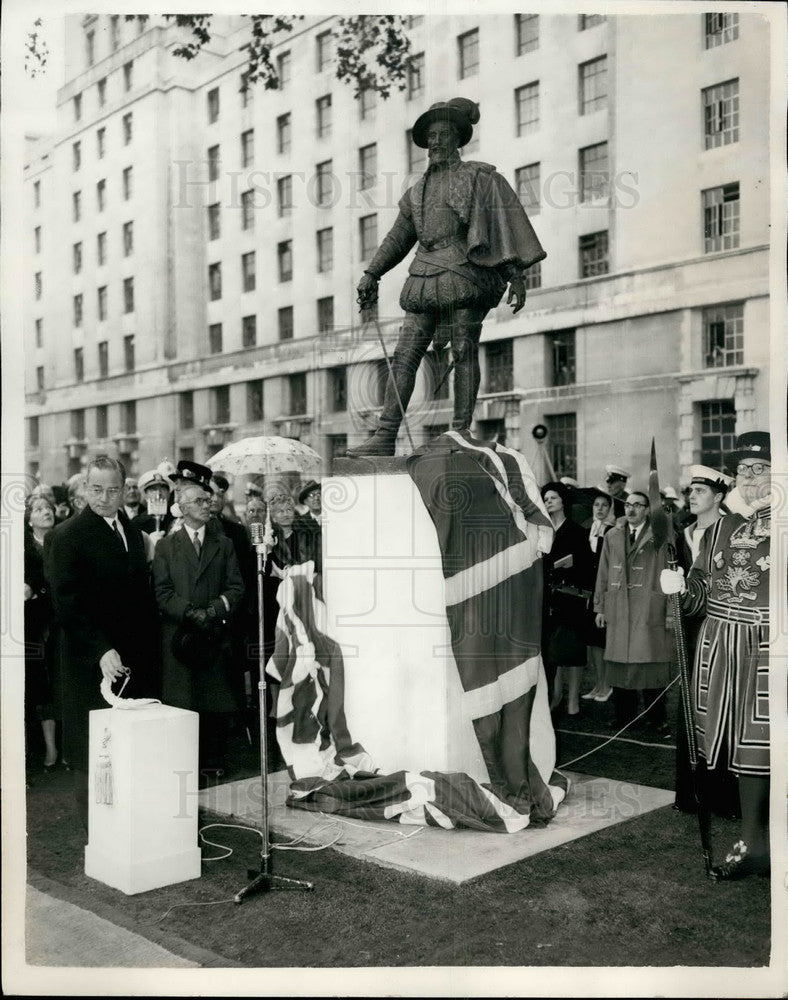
x=632, y=894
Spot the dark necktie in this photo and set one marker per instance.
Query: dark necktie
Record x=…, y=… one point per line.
x=116, y=529
x=197, y=544
x=632, y=537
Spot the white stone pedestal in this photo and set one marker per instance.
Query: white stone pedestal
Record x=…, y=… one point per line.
x=386, y=607
x=147, y=837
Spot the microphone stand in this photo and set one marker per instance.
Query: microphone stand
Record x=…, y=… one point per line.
x=264, y=880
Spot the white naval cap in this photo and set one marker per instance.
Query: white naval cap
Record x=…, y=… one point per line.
x=616, y=470
x=153, y=477
x=706, y=476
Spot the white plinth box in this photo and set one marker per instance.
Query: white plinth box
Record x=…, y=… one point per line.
x=147, y=837
x=386, y=607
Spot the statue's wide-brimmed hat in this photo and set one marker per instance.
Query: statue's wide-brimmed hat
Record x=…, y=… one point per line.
x=753, y=444
x=459, y=111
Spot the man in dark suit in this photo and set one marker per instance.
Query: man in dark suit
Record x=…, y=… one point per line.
x=101, y=593
x=198, y=589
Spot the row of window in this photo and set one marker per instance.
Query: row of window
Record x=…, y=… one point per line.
x=102, y=303
x=723, y=343
x=101, y=90
x=115, y=35
x=127, y=126
x=721, y=226
x=102, y=349
x=720, y=108
x=101, y=194
x=717, y=419
x=101, y=247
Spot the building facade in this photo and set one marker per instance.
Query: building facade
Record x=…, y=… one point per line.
x=195, y=246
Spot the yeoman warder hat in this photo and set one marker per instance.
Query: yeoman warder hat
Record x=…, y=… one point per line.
x=459, y=111
x=192, y=473
x=753, y=444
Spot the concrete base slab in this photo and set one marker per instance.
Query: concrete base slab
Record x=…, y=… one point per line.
x=61, y=934
x=452, y=855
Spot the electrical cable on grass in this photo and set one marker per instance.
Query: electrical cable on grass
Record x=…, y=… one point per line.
x=615, y=736
x=290, y=846
x=175, y=906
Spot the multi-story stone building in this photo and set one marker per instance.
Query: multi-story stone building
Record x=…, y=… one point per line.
x=195, y=247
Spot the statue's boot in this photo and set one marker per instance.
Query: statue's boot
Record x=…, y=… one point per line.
x=467, y=377
x=384, y=440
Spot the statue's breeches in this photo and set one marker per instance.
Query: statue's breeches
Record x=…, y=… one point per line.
x=435, y=289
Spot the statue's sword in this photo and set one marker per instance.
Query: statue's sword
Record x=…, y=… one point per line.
x=365, y=304
x=663, y=533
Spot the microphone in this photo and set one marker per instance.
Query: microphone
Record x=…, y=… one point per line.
x=257, y=530
x=157, y=506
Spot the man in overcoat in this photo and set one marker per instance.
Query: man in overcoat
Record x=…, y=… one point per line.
x=628, y=602
x=100, y=586
x=473, y=239
x=198, y=589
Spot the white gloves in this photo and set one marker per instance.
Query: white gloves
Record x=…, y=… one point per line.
x=672, y=581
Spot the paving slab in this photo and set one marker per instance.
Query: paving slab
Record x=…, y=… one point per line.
x=58, y=933
x=452, y=855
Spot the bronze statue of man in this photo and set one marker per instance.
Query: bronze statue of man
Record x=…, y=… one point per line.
x=473, y=238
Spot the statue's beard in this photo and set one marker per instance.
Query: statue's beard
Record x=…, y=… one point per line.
x=440, y=155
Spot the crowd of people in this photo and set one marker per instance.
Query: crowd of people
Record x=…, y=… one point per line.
x=153, y=582
x=608, y=606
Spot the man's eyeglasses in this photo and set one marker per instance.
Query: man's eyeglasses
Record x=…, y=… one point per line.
x=113, y=492
x=751, y=470
x=633, y=505
x=198, y=501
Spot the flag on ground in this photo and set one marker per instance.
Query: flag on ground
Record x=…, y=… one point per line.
x=492, y=529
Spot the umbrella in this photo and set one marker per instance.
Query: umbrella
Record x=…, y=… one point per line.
x=263, y=456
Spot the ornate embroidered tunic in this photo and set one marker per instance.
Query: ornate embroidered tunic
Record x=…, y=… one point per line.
x=473, y=237
x=729, y=583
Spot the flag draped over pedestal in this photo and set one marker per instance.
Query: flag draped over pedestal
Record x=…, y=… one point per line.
x=492, y=529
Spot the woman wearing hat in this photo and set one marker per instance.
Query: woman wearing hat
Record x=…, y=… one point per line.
x=728, y=586
x=309, y=526
x=566, y=577
x=473, y=238
x=39, y=648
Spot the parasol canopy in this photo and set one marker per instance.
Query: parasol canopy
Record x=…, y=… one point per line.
x=264, y=456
